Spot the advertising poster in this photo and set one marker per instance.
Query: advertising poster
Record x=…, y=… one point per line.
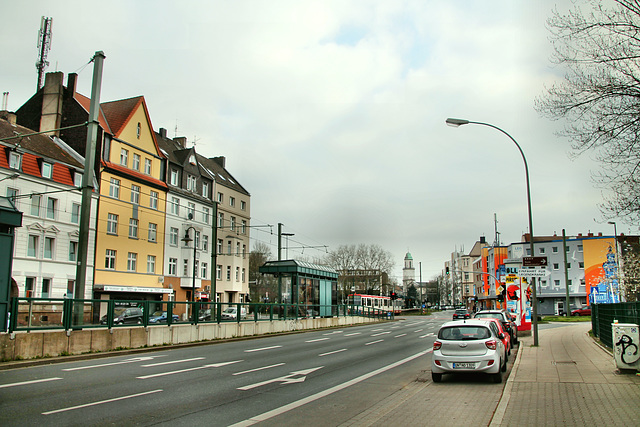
x=600, y=271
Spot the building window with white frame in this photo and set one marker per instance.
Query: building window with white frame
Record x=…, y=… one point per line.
x=147, y=166
x=228, y=273
x=244, y=227
x=32, y=246
x=220, y=219
x=205, y=215
x=232, y=201
x=233, y=223
x=75, y=213
x=135, y=194
x=49, y=247
x=35, y=205
x=243, y=205
x=77, y=179
x=205, y=243
x=173, y=266
x=185, y=268
x=191, y=210
x=110, y=259
x=153, y=232
x=124, y=157
x=220, y=197
x=203, y=270
x=15, y=160
x=237, y=274
x=173, y=178
x=136, y=162
x=192, y=183
x=174, y=207
x=205, y=189
x=114, y=188
x=112, y=224
x=133, y=228
x=47, y=170
x=218, y=272
x=151, y=264
x=73, y=251
x=132, y=261
x=153, y=199
x=220, y=244
x=52, y=205
x=173, y=236
x=243, y=275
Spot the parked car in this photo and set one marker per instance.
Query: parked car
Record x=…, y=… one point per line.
x=461, y=313
x=584, y=311
x=231, y=313
x=507, y=322
x=468, y=346
x=161, y=317
x=507, y=338
x=123, y=315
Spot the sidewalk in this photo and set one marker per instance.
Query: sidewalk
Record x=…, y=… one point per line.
x=567, y=380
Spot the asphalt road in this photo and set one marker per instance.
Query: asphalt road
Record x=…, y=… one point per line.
x=234, y=383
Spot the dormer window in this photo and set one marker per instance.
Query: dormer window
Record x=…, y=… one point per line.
x=192, y=159
x=15, y=159
x=191, y=183
x=47, y=169
x=77, y=179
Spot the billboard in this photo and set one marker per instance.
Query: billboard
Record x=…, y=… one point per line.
x=601, y=270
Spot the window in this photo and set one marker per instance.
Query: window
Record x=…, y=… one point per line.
x=203, y=270
x=556, y=283
x=579, y=248
x=35, y=205
x=528, y=251
x=568, y=265
x=191, y=210
x=229, y=247
x=220, y=243
x=75, y=213
x=244, y=251
x=52, y=204
x=15, y=160
x=12, y=194
x=28, y=285
x=132, y=260
x=153, y=199
x=47, y=170
x=153, y=231
x=124, y=157
x=554, y=249
x=228, y=272
x=244, y=227
x=243, y=205
x=191, y=183
x=185, y=267
x=205, y=215
x=233, y=223
x=49, y=247
x=133, y=228
x=232, y=201
x=218, y=272
x=237, y=274
x=46, y=288
x=77, y=179
x=243, y=275
x=567, y=249
x=220, y=197
x=114, y=188
x=73, y=251
x=173, y=236
x=151, y=264
x=581, y=264
x=32, y=247
x=136, y=162
x=138, y=130
x=112, y=224
x=110, y=259
x=175, y=206
x=205, y=243
x=542, y=250
x=147, y=166
x=220, y=219
x=205, y=189
x=135, y=194
x=196, y=266
x=173, y=266
x=556, y=266
x=197, y=242
x=174, y=178
x=237, y=248
x=543, y=283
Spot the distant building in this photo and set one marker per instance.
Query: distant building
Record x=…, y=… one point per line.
x=408, y=273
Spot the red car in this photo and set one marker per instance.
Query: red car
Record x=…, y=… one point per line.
x=505, y=338
x=585, y=311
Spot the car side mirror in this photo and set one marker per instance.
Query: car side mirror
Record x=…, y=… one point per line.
x=501, y=335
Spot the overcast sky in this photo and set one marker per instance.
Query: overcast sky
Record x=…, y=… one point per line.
x=332, y=113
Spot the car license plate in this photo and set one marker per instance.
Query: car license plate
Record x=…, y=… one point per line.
x=464, y=365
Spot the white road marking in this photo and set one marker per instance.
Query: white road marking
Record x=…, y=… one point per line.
x=281, y=410
x=173, y=361
x=263, y=348
x=376, y=330
x=334, y=332
x=401, y=335
x=213, y=365
x=135, y=359
x=71, y=408
x=44, y=380
x=258, y=369
x=351, y=334
x=426, y=335
x=418, y=330
x=287, y=379
x=332, y=352
x=381, y=333
x=374, y=342
x=318, y=339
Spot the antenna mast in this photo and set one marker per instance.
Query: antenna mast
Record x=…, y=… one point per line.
x=496, y=242
x=44, y=44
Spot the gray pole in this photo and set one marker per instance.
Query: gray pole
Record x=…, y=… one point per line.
x=566, y=272
x=214, y=255
x=279, y=259
x=87, y=187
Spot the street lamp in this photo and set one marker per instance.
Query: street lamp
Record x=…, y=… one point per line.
x=534, y=303
x=186, y=239
x=618, y=276
x=287, y=235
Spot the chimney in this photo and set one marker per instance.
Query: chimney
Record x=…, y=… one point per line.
x=579, y=234
x=8, y=116
x=181, y=141
x=52, y=92
x=163, y=133
x=483, y=239
x=219, y=160
x=589, y=234
x=600, y=234
x=72, y=80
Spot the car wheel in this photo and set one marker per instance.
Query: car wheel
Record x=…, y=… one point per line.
x=139, y=321
x=436, y=377
x=120, y=322
x=503, y=368
x=497, y=377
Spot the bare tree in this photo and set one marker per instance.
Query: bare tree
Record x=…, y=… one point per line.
x=599, y=98
x=260, y=286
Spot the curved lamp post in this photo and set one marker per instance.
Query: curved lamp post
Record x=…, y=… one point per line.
x=534, y=303
x=618, y=269
x=186, y=239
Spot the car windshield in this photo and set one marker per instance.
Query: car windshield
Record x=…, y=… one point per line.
x=118, y=310
x=461, y=311
x=464, y=332
x=489, y=315
x=230, y=310
x=158, y=313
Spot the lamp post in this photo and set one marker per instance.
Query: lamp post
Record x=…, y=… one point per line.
x=287, y=235
x=186, y=239
x=534, y=301
x=618, y=271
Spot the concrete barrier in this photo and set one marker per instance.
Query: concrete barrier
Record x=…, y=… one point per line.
x=30, y=345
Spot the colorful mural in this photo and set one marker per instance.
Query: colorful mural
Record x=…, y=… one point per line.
x=601, y=271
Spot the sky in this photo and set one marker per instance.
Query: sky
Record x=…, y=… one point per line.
x=332, y=113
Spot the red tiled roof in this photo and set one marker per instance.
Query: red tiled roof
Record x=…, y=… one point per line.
x=30, y=164
x=119, y=112
x=62, y=174
x=135, y=174
x=86, y=104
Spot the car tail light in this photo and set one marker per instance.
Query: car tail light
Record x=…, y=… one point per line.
x=491, y=344
x=437, y=345
x=437, y=362
x=490, y=362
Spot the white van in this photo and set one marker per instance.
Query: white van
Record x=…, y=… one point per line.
x=231, y=313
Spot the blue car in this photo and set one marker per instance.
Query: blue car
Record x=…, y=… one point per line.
x=161, y=317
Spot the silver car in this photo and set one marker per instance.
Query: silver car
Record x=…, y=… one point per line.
x=469, y=346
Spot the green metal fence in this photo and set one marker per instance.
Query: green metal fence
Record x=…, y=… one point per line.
x=31, y=314
x=603, y=315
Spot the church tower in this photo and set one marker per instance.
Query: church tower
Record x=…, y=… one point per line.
x=408, y=273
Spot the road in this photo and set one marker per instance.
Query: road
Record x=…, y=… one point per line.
x=232, y=383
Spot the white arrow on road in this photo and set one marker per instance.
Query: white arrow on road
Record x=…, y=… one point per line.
x=212, y=365
x=287, y=379
x=135, y=359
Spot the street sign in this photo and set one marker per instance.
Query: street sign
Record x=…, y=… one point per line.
x=533, y=272
x=534, y=261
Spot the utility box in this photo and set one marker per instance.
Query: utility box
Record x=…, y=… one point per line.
x=626, y=341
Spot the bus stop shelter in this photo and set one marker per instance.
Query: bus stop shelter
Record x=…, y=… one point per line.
x=313, y=285
x=10, y=218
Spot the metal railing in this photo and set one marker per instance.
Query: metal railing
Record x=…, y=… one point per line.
x=32, y=314
x=603, y=315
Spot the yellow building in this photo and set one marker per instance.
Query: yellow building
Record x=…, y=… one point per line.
x=131, y=212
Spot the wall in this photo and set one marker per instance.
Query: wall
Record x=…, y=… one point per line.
x=30, y=345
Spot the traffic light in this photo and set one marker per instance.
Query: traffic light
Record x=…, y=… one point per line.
x=446, y=270
x=394, y=296
x=500, y=297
